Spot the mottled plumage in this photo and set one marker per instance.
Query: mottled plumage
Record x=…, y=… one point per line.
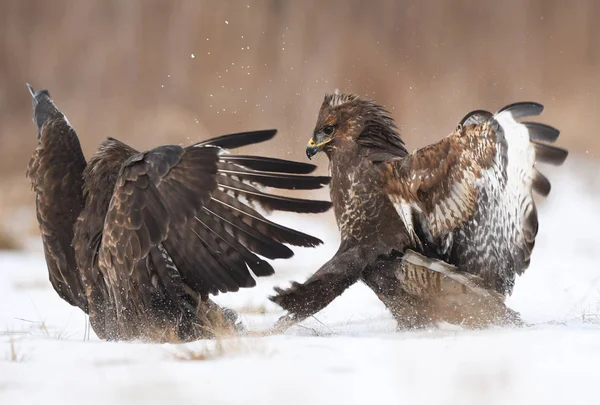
x=472, y=192
x=463, y=205
x=353, y=132
x=138, y=240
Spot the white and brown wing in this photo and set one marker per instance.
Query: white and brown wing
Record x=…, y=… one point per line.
x=472, y=192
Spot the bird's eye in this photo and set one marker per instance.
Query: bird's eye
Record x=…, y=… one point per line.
x=328, y=130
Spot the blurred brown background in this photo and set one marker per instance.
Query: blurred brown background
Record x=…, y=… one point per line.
x=154, y=71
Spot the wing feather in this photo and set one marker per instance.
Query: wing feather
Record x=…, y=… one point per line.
x=175, y=220
x=541, y=132
x=550, y=154
x=475, y=186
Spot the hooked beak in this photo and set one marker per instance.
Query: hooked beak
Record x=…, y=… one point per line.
x=31, y=90
x=33, y=94
x=43, y=106
x=313, y=148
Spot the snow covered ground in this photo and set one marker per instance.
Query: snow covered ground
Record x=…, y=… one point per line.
x=350, y=353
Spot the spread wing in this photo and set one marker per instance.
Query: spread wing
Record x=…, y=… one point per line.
x=56, y=221
x=180, y=221
x=472, y=192
x=55, y=172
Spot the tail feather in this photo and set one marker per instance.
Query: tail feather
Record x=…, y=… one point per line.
x=426, y=277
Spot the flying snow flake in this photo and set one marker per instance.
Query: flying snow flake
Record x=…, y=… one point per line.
x=192, y=56
x=226, y=22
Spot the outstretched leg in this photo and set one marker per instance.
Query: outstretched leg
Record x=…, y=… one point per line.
x=303, y=300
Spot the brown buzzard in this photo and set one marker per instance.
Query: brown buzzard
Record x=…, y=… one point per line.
x=440, y=233
x=139, y=240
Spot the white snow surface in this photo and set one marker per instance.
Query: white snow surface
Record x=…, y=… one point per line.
x=349, y=353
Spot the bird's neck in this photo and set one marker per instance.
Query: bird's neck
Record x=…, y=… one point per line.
x=344, y=160
x=351, y=192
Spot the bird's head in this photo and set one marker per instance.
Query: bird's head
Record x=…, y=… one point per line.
x=347, y=120
x=43, y=106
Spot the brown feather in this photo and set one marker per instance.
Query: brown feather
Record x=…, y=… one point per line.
x=460, y=199
x=140, y=239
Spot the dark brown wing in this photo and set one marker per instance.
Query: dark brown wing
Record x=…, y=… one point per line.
x=473, y=191
x=177, y=221
x=55, y=171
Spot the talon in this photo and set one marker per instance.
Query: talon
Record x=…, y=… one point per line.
x=286, y=321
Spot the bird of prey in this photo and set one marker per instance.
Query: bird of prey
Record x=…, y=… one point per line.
x=138, y=240
x=438, y=234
